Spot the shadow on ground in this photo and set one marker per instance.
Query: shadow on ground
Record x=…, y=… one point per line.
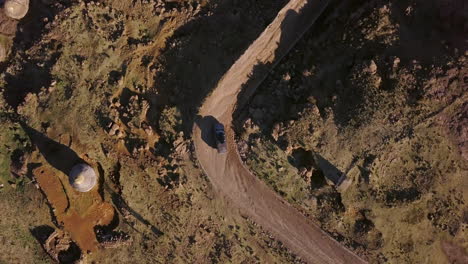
x=200, y=53
x=31, y=77
x=56, y=154
x=206, y=125
x=124, y=209
x=42, y=233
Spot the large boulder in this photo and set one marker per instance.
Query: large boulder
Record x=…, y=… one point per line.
x=82, y=177
x=16, y=9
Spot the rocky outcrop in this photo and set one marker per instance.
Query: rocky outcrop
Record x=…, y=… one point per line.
x=62, y=249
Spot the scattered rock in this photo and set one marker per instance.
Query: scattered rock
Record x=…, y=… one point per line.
x=120, y=134
x=18, y=165
x=396, y=62
x=243, y=148
x=457, y=128
x=61, y=248
x=112, y=239
x=113, y=129
x=250, y=127
x=276, y=131
x=180, y=146
x=312, y=203
x=372, y=67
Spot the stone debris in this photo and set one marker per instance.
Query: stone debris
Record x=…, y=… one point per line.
x=113, y=129
x=18, y=165
x=372, y=67
x=112, y=239
x=62, y=249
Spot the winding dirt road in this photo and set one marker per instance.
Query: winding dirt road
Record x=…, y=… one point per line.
x=226, y=171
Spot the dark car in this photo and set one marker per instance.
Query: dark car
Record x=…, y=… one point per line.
x=220, y=138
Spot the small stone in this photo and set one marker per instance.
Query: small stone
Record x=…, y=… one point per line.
x=302, y=171
x=149, y=131
x=3, y=52
x=113, y=129
x=373, y=67
x=276, y=131
x=312, y=203
x=120, y=134
x=396, y=62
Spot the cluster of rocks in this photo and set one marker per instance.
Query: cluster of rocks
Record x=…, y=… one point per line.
x=457, y=128
x=129, y=123
x=18, y=164
x=131, y=113
x=62, y=249
x=112, y=239
x=161, y=7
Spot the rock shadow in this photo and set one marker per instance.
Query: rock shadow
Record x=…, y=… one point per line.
x=56, y=154
x=42, y=233
x=329, y=170
x=124, y=208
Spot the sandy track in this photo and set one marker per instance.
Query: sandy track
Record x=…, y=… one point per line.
x=228, y=174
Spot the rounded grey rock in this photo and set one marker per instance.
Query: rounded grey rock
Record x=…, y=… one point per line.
x=82, y=177
x=16, y=9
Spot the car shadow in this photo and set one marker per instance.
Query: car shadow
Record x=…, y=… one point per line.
x=206, y=124
x=56, y=154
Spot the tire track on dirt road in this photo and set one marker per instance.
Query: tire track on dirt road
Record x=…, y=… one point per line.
x=228, y=174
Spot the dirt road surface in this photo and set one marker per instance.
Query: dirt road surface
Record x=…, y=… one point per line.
x=226, y=171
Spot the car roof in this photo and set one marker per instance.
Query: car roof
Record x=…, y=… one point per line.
x=219, y=126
